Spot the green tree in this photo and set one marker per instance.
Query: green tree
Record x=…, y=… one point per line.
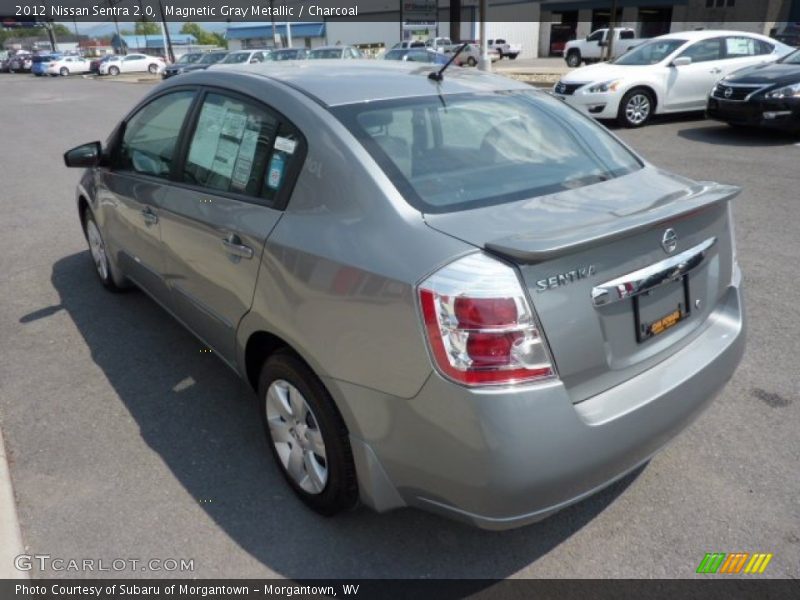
x=203, y=37
x=146, y=28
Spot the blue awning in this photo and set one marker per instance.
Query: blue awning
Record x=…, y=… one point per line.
x=251, y=31
x=565, y=5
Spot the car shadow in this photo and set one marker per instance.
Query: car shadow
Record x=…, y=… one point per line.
x=202, y=421
x=721, y=134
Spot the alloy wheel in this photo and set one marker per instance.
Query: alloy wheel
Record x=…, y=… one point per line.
x=98, y=249
x=296, y=436
x=637, y=110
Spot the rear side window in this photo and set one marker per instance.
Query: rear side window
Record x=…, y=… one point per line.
x=472, y=150
x=148, y=144
x=230, y=146
x=739, y=47
x=626, y=35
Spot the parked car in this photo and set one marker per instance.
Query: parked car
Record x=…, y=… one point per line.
x=327, y=52
x=245, y=56
x=290, y=54
x=132, y=63
x=439, y=44
x=20, y=62
x=423, y=55
x=40, y=63
x=407, y=44
x=669, y=74
x=69, y=65
x=465, y=297
x=94, y=64
x=764, y=96
x=186, y=60
x=593, y=47
x=471, y=55
x=205, y=61
x=504, y=49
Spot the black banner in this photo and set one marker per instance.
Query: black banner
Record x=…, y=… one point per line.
x=404, y=589
x=695, y=11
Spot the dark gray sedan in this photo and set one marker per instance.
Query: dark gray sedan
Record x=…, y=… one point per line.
x=451, y=292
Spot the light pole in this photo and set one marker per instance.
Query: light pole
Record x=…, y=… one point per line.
x=485, y=63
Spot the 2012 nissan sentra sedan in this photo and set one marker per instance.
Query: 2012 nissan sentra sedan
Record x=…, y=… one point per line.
x=450, y=292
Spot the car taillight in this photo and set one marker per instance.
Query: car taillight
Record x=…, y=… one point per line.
x=479, y=325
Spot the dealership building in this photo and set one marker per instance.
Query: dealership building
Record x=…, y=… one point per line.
x=540, y=26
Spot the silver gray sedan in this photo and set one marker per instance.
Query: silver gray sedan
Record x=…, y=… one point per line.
x=455, y=293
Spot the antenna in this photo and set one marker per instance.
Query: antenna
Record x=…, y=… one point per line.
x=439, y=75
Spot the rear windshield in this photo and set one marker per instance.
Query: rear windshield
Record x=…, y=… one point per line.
x=236, y=57
x=327, y=53
x=464, y=151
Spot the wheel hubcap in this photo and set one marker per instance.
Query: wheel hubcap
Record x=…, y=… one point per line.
x=98, y=249
x=296, y=436
x=638, y=109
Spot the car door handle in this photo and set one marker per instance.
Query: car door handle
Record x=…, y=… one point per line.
x=233, y=245
x=150, y=217
x=715, y=70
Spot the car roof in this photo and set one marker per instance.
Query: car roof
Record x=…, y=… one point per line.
x=703, y=34
x=339, y=82
x=339, y=47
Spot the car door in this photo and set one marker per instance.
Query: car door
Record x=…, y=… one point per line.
x=239, y=161
x=133, y=63
x=688, y=86
x=132, y=190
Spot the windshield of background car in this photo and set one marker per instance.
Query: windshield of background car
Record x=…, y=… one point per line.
x=649, y=53
x=328, y=53
x=188, y=59
x=395, y=54
x=236, y=58
x=791, y=59
x=464, y=151
x=210, y=59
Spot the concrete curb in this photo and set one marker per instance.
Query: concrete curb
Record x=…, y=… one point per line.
x=10, y=535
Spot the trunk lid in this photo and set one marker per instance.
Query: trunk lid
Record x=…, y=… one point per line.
x=567, y=245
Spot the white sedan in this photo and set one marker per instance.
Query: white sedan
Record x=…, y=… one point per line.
x=67, y=65
x=668, y=74
x=132, y=63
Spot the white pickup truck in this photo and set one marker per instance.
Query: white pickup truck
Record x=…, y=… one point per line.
x=505, y=49
x=593, y=48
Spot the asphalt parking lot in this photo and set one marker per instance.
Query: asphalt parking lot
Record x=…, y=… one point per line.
x=126, y=441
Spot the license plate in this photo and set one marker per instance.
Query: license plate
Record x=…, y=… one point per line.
x=661, y=309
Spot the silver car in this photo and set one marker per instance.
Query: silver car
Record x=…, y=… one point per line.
x=459, y=295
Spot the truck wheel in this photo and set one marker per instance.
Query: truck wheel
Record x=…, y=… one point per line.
x=636, y=108
x=512, y=56
x=574, y=59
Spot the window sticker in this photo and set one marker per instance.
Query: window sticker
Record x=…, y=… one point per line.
x=275, y=171
x=285, y=145
x=244, y=162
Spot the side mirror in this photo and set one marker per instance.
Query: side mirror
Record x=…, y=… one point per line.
x=682, y=61
x=85, y=156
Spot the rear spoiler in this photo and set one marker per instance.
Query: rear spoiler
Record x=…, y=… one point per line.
x=530, y=248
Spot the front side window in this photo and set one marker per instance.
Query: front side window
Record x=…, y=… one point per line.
x=230, y=147
x=650, y=53
x=595, y=37
x=472, y=150
x=148, y=144
x=704, y=50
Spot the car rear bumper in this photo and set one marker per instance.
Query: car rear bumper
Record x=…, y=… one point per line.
x=504, y=458
x=778, y=114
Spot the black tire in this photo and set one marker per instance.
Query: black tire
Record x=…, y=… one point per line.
x=152, y=69
x=113, y=71
x=341, y=489
x=64, y=71
x=111, y=279
x=471, y=61
x=636, y=109
x=512, y=56
x=573, y=59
